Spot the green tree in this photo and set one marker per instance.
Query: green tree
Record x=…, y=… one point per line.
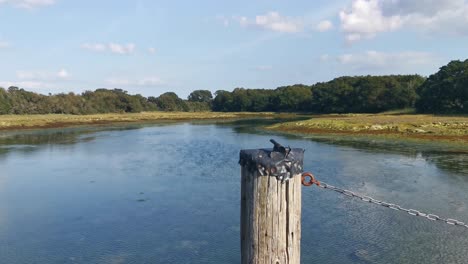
x=223, y=101
x=365, y=94
x=445, y=91
x=5, y=105
x=293, y=98
x=171, y=102
x=203, y=96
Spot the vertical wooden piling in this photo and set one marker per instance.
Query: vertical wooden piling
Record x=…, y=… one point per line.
x=271, y=206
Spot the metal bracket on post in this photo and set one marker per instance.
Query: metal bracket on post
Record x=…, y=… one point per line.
x=280, y=162
x=279, y=148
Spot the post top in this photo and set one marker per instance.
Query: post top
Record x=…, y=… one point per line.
x=271, y=162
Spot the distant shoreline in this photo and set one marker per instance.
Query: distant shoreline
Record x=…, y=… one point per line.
x=25, y=122
x=415, y=126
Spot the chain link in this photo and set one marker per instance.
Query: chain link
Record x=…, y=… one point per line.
x=396, y=207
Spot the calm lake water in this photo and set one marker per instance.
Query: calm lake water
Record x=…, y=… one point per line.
x=170, y=194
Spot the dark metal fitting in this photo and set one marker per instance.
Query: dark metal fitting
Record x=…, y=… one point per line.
x=280, y=162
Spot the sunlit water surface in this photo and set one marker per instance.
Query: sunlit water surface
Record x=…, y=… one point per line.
x=170, y=194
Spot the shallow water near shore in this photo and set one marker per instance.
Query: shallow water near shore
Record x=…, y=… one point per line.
x=170, y=193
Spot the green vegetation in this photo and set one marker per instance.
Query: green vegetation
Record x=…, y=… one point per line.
x=370, y=94
x=12, y=122
x=201, y=96
x=295, y=98
x=169, y=102
x=418, y=126
x=446, y=91
x=19, y=101
x=443, y=92
x=363, y=94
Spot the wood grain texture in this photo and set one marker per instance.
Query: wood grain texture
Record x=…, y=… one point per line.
x=270, y=219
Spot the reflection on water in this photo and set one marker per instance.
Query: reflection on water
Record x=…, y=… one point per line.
x=170, y=194
x=447, y=156
x=253, y=126
x=32, y=140
x=449, y=161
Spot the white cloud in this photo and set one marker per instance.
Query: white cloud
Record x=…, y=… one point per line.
x=366, y=18
x=4, y=44
x=374, y=60
x=94, y=47
x=152, y=50
x=111, y=47
x=28, y=4
x=324, y=25
x=273, y=21
x=146, y=81
x=121, y=48
x=63, y=74
x=42, y=75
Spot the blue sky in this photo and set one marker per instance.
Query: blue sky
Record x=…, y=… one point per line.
x=150, y=47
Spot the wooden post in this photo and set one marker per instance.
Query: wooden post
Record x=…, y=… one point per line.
x=271, y=205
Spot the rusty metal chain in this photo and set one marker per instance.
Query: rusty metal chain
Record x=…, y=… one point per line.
x=308, y=179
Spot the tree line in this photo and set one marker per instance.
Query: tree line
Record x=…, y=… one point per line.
x=443, y=92
x=362, y=94
x=19, y=101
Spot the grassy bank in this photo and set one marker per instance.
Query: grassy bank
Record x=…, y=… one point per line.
x=452, y=128
x=15, y=122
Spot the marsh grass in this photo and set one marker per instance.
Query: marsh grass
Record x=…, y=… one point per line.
x=12, y=122
x=421, y=126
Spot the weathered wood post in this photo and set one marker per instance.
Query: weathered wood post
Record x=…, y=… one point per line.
x=271, y=205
